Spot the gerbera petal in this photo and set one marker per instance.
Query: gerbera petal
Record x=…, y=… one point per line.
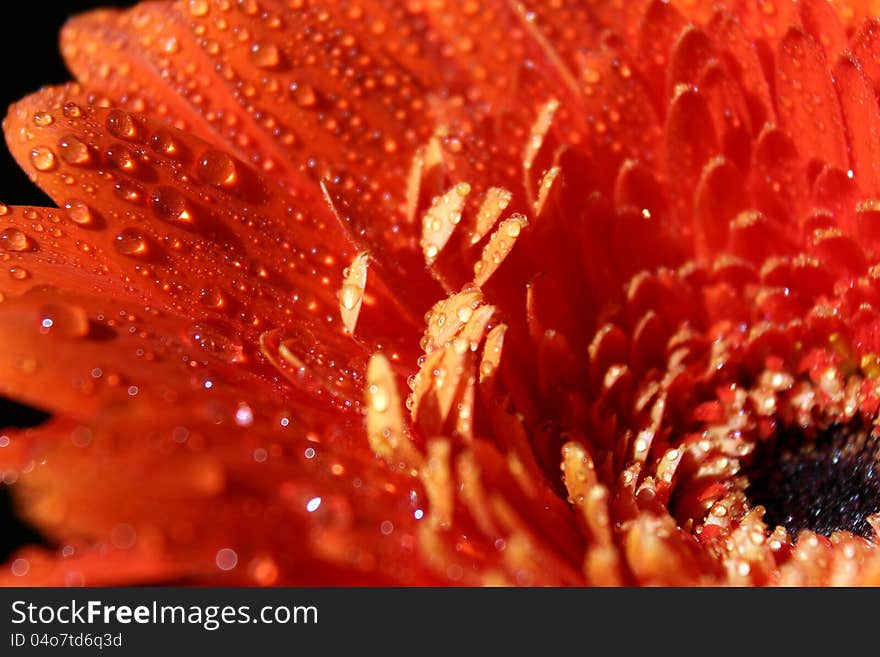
x=865, y=46
x=862, y=115
x=223, y=499
x=154, y=202
x=691, y=142
x=91, y=352
x=166, y=197
x=660, y=27
x=272, y=87
x=272, y=104
x=807, y=103
x=742, y=58
x=102, y=565
x=822, y=21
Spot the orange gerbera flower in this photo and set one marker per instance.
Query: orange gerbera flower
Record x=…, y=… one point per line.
x=645, y=235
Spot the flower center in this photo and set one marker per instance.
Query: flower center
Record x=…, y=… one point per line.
x=825, y=482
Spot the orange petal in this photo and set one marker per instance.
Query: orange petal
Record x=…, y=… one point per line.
x=157, y=202
x=223, y=498
x=75, y=354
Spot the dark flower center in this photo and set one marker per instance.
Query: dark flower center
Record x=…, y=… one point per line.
x=825, y=482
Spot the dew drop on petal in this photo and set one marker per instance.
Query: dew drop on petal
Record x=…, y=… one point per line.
x=170, y=205
x=72, y=110
x=217, y=168
x=211, y=297
x=265, y=55
x=129, y=191
x=43, y=119
x=120, y=124
x=43, y=159
x=12, y=239
x=131, y=242
x=304, y=95
x=162, y=142
x=217, y=340
x=73, y=151
x=79, y=213
x=66, y=319
x=198, y=8
x=120, y=157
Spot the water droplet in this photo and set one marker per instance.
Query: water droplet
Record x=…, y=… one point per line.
x=12, y=239
x=19, y=273
x=131, y=242
x=217, y=168
x=120, y=157
x=43, y=119
x=120, y=124
x=43, y=159
x=72, y=110
x=464, y=313
x=73, y=151
x=265, y=55
x=163, y=143
x=79, y=213
x=4, y=209
x=198, y=8
x=304, y=95
x=211, y=297
x=129, y=191
x=217, y=339
x=65, y=319
x=170, y=205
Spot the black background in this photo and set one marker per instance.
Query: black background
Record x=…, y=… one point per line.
x=29, y=59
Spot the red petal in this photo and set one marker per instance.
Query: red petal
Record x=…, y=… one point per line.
x=691, y=142
x=808, y=107
x=659, y=30
x=743, y=60
x=862, y=115
x=720, y=196
x=822, y=22
x=865, y=46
